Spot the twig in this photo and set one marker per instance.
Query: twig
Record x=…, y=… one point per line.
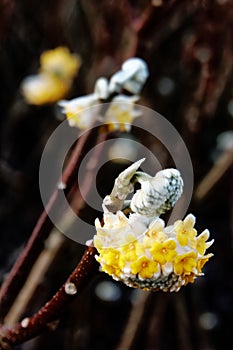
x=20, y=270
x=135, y=319
x=214, y=175
x=184, y=335
x=157, y=323
x=33, y=326
x=45, y=259
x=176, y=14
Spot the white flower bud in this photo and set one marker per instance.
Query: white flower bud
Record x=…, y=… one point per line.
x=131, y=77
x=117, y=81
x=122, y=188
x=157, y=194
x=139, y=70
x=101, y=88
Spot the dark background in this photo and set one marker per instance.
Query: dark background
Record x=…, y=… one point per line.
x=188, y=46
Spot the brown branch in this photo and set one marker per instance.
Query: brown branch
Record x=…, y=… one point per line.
x=141, y=21
x=33, y=326
x=157, y=321
x=184, y=329
x=221, y=166
x=135, y=320
x=41, y=321
x=20, y=270
x=53, y=246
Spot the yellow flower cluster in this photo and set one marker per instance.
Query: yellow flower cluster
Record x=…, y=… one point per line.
x=57, y=69
x=155, y=257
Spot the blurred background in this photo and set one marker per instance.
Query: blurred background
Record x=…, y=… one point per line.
x=188, y=46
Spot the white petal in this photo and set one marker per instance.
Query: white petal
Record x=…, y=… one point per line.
x=101, y=88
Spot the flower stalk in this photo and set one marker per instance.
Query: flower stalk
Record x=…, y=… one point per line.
x=32, y=326
x=35, y=244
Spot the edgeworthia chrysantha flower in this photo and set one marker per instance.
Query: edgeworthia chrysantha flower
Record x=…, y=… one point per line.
x=78, y=112
x=57, y=70
x=121, y=111
x=138, y=249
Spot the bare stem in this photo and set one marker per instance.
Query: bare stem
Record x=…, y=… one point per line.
x=52, y=310
x=54, y=244
x=134, y=321
x=20, y=270
x=220, y=167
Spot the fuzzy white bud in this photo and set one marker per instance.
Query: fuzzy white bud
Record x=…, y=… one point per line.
x=157, y=194
x=131, y=77
x=122, y=188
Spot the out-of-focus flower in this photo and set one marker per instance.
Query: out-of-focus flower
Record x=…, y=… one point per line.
x=78, y=112
x=122, y=110
x=43, y=89
x=141, y=250
x=139, y=74
x=131, y=77
x=55, y=77
x=60, y=62
x=121, y=113
x=101, y=88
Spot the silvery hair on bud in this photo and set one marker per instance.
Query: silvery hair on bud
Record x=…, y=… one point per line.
x=157, y=194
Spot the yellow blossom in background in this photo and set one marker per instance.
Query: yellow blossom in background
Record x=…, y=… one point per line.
x=60, y=62
x=54, y=80
x=42, y=89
